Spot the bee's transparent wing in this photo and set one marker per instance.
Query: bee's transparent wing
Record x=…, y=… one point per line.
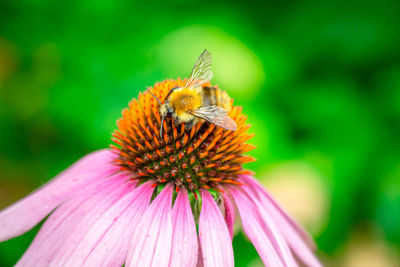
x=201, y=71
x=216, y=115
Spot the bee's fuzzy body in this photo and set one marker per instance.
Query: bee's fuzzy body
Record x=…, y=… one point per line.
x=183, y=101
x=197, y=99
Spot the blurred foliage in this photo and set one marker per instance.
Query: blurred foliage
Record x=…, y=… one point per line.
x=319, y=81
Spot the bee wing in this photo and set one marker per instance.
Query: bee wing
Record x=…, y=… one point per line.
x=216, y=115
x=201, y=70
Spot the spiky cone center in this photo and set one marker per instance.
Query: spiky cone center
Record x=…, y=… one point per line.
x=205, y=156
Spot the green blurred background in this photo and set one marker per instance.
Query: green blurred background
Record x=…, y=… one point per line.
x=319, y=81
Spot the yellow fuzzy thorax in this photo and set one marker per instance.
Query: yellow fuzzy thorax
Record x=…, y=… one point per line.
x=185, y=99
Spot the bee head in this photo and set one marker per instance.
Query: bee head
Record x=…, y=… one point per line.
x=165, y=109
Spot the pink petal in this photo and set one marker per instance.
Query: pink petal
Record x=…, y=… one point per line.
x=184, y=239
x=272, y=230
x=85, y=223
x=151, y=242
x=216, y=244
x=106, y=243
x=61, y=223
x=253, y=227
x=26, y=213
x=230, y=214
x=264, y=194
x=299, y=241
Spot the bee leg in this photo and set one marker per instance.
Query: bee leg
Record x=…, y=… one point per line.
x=175, y=118
x=190, y=124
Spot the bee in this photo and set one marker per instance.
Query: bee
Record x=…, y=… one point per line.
x=195, y=101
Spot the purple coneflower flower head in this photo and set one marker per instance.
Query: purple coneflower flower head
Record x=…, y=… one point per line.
x=154, y=200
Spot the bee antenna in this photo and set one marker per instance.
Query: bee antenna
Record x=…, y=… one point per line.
x=158, y=100
x=161, y=125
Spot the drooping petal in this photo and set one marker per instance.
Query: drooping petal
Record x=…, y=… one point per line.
x=230, y=213
x=26, y=213
x=264, y=194
x=61, y=223
x=151, y=241
x=298, y=240
x=184, y=239
x=271, y=229
x=216, y=244
x=253, y=227
x=106, y=242
x=79, y=231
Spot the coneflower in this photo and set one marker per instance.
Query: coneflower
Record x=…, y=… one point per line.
x=156, y=200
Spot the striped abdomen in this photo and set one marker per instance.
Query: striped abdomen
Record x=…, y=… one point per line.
x=213, y=96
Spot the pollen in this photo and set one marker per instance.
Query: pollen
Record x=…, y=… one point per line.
x=204, y=156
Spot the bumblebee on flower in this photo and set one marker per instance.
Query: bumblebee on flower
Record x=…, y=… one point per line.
x=195, y=149
x=193, y=101
x=164, y=194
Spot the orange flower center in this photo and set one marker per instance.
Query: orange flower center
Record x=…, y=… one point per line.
x=205, y=156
